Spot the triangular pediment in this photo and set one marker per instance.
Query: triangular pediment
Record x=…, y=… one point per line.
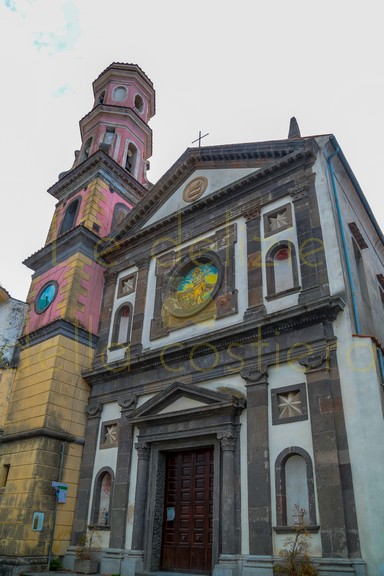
x=180, y=398
x=202, y=173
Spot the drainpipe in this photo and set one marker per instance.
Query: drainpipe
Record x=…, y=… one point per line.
x=345, y=247
x=55, y=508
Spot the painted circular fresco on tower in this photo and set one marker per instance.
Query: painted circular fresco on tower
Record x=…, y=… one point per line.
x=45, y=296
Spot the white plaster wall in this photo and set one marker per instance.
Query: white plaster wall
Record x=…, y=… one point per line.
x=327, y=211
x=104, y=457
x=283, y=436
x=217, y=178
x=363, y=402
x=12, y=313
x=189, y=332
x=114, y=355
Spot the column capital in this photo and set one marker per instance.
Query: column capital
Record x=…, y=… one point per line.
x=94, y=410
x=252, y=211
x=299, y=189
x=227, y=440
x=253, y=375
x=315, y=361
x=127, y=403
x=143, y=450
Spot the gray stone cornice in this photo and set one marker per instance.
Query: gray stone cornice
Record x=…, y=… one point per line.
x=290, y=320
x=59, y=327
x=79, y=239
x=99, y=164
x=41, y=432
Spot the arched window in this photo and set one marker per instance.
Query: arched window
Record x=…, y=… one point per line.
x=139, y=104
x=294, y=487
x=281, y=269
x=102, y=97
x=119, y=213
x=131, y=159
x=121, y=325
x=69, y=219
x=102, y=498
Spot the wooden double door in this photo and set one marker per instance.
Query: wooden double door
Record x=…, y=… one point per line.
x=188, y=506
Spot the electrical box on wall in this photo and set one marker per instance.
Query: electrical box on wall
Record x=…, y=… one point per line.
x=38, y=521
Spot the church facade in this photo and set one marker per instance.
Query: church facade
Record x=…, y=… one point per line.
x=201, y=363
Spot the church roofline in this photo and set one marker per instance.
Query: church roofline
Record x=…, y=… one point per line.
x=356, y=186
x=188, y=161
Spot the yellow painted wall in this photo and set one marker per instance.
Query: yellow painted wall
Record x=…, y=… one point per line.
x=6, y=380
x=48, y=394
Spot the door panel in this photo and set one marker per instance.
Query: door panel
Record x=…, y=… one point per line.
x=188, y=505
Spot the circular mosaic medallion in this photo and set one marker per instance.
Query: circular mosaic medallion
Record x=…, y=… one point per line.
x=195, y=189
x=193, y=287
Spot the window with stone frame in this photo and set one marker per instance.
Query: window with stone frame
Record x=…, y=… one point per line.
x=281, y=270
x=294, y=484
x=109, y=436
x=289, y=404
x=102, y=498
x=278, y=220
x=121, y=326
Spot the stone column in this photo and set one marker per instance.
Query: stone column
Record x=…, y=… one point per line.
x=311, y=255
x=259, y=481
x=86, y=471
x=143, y=450
x=335, y=496
x=122, y=477
x=228, y=535
x=256, y=306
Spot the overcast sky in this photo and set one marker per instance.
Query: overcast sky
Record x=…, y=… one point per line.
x=238, y=70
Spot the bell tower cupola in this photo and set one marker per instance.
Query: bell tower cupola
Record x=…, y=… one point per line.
x=118, y=123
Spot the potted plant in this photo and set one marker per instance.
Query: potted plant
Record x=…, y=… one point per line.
x=86, y=553
x=295, y=559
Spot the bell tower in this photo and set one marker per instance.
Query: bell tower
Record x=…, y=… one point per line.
x=118, y=122
x=44, y=426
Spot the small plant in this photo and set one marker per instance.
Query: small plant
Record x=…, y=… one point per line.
x=55, y=564
x=87, y=545
x=86, y=552
x=295, y=558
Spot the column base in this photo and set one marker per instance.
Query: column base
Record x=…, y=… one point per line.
x=132, y=563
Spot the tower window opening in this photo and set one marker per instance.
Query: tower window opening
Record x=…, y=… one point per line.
x=70, y=215
x=102, y=97
x=120, y=94
x=139, y=103
x=87, y=149
x=131, y=159
x=109, y=135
